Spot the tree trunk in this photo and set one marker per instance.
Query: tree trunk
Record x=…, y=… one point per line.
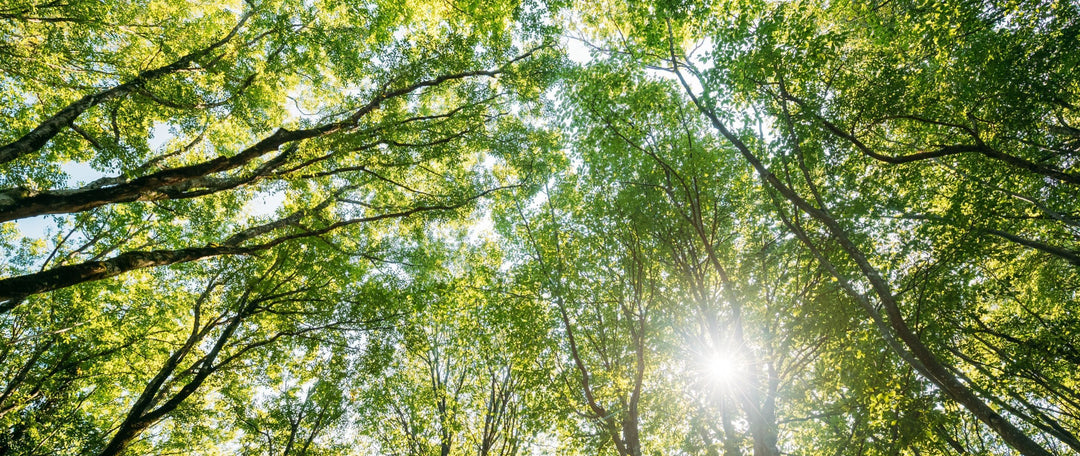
x=928, y=365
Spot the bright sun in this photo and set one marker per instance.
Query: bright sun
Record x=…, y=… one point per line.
x=723, y=368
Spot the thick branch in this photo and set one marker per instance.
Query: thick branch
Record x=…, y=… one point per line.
x=39, y=136
x=14, y=289
x=173, y=183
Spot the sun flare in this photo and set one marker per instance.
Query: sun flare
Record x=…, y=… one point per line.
x=723, y=368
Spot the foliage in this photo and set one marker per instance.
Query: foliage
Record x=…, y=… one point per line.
x=437, y=227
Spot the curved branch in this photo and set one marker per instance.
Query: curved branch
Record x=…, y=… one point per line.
x=13, y=290
x=45, y=131
x=173, y=183
x=941, y=151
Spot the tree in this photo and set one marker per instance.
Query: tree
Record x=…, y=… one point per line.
x=755, y=61
x=660, y=205
x=737, y=227
x=384, y=120
x=468, y=360
x=159, y=287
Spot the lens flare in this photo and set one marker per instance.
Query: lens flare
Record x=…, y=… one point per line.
x=723, y=368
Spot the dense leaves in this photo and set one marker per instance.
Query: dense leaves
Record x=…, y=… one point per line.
x=505, y=228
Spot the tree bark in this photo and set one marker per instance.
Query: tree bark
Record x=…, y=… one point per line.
x=13, y=289
x=45, y=131
x=928, y=365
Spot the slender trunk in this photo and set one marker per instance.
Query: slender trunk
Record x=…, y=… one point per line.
x=141, y=417
x=928, y=364
x=763, y=423
x=631, y=436
x=731, y=442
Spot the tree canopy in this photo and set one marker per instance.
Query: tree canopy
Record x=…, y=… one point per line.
x=524, y=227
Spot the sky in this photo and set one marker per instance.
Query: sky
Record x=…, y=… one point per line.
x=263, y=204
